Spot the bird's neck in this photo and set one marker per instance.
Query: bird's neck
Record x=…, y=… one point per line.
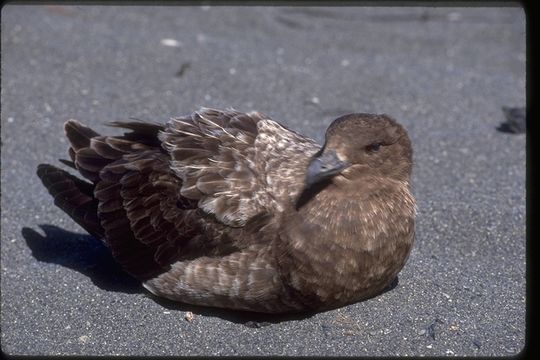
x=344, y=203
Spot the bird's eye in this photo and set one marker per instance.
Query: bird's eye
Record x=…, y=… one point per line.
x=373, y=147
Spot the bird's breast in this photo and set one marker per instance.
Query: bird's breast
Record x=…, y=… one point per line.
x=339, y=249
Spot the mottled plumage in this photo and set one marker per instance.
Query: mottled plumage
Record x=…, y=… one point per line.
x=228, y=209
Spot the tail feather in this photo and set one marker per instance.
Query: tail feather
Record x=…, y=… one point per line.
x=72, y=195
x=85, y=159
x=78, y=134
x=141, y=132
x=71, y=164
x=88, y=159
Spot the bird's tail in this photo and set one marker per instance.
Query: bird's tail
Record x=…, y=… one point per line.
x=71, y=194
x=74, y=196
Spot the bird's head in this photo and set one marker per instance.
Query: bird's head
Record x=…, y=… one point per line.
x=360, y=144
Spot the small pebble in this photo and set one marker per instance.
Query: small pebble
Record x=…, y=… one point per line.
x=189, y=316
x=83, y=339
x=170, y=42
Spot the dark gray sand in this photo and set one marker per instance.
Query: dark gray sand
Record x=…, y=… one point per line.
x=444, y=73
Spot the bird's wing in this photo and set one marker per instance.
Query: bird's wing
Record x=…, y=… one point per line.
x=236, y=165
x=197, y=187
x=133, y=203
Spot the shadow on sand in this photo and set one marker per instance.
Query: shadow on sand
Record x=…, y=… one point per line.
x=82, y=253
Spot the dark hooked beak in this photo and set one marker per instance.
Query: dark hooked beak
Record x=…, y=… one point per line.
x=324, y=166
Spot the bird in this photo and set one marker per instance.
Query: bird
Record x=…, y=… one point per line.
x=234, y=210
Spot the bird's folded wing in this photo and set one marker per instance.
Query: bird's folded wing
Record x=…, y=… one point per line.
x=236, y=165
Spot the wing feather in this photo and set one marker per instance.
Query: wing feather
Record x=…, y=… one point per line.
x=231, y=162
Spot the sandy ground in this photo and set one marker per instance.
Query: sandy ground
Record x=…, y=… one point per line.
x=444, y=73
